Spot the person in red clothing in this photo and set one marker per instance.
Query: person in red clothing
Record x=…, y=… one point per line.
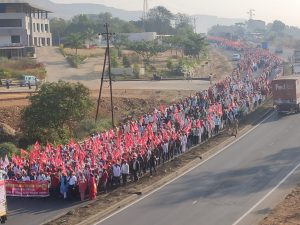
x=92, y=187
x=103, y=180
x=82, y=183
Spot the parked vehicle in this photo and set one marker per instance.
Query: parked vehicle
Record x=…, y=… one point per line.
x=28, y=80
x=236, y=57
x=286, y=94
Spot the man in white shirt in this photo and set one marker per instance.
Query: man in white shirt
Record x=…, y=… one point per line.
x=124, y=171
x=116, y=174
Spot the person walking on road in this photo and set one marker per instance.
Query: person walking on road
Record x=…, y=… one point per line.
x=92, y=187
x=64, y=185
x=124, y=171
x=82, y=183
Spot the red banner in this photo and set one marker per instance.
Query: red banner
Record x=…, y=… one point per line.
x=27, y=188
x=3, y=207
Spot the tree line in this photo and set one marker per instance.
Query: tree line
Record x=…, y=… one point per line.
x=84, y=28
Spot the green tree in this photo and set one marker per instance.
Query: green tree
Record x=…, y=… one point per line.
x=79, y=24
x=194, y=44
x=136, y=71
x=170, y=64
x=278, y=26
x=55, y=110
x=89, y=35
x=126, y=62
x=147, y=49
x=75, y=41
x=159, y=20
x=183, y=23
x=119, y=41
x=58, y=27
x=8, y=148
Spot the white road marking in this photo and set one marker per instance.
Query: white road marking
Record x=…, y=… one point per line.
x=195, y=202
x=266, y=196
x=184, y=173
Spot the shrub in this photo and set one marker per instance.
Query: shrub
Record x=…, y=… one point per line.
x=8, y=148
x=170, y=64
x=89, y=126
x=75, y=60
x=136, y=71
x=126, y=62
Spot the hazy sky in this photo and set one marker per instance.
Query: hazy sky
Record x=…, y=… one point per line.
x=287, y=11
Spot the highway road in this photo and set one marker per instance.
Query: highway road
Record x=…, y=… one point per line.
x=239, y=185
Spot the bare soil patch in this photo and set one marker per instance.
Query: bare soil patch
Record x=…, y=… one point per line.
x=287, y=212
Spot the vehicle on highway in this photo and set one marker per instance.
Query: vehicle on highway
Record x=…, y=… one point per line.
x=286, y=94
x=236, y=57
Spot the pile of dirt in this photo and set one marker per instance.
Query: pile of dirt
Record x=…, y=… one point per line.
x=6, y=133
x=11, y=116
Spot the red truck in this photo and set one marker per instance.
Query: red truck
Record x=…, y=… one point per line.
x=286, y=94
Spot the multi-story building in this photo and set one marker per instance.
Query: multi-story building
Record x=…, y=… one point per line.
x=23, y=25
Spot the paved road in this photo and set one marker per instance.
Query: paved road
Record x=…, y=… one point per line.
x=224, y=188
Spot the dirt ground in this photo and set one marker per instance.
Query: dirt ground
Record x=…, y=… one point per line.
x=287, y=212
x=89, y=72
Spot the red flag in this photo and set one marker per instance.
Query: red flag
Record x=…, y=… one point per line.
x=6, y=161
x=161, y=108
x=23, y=153
x=169, y=124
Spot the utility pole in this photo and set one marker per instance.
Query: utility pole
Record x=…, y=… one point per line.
x=194, y=24
x=251, y=13
x=145, y=12
x=106, y=58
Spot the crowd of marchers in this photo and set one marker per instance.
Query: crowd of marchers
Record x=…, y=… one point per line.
x=125, y=153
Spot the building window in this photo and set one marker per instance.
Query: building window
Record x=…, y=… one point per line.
x=33, y=25
x=10, y=23
x=47, y=28
x=38, y=27
x=15, y=39
x=42, y=27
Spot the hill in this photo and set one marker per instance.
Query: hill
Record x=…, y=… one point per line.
x=204, y=22
x=67, y=11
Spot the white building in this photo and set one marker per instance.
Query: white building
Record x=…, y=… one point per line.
x=23, y=24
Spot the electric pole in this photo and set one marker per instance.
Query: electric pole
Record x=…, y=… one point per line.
x=145, y=12
x=251, y=13
x=106, y=58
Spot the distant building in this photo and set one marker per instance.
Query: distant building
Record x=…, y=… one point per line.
x=23, y=26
